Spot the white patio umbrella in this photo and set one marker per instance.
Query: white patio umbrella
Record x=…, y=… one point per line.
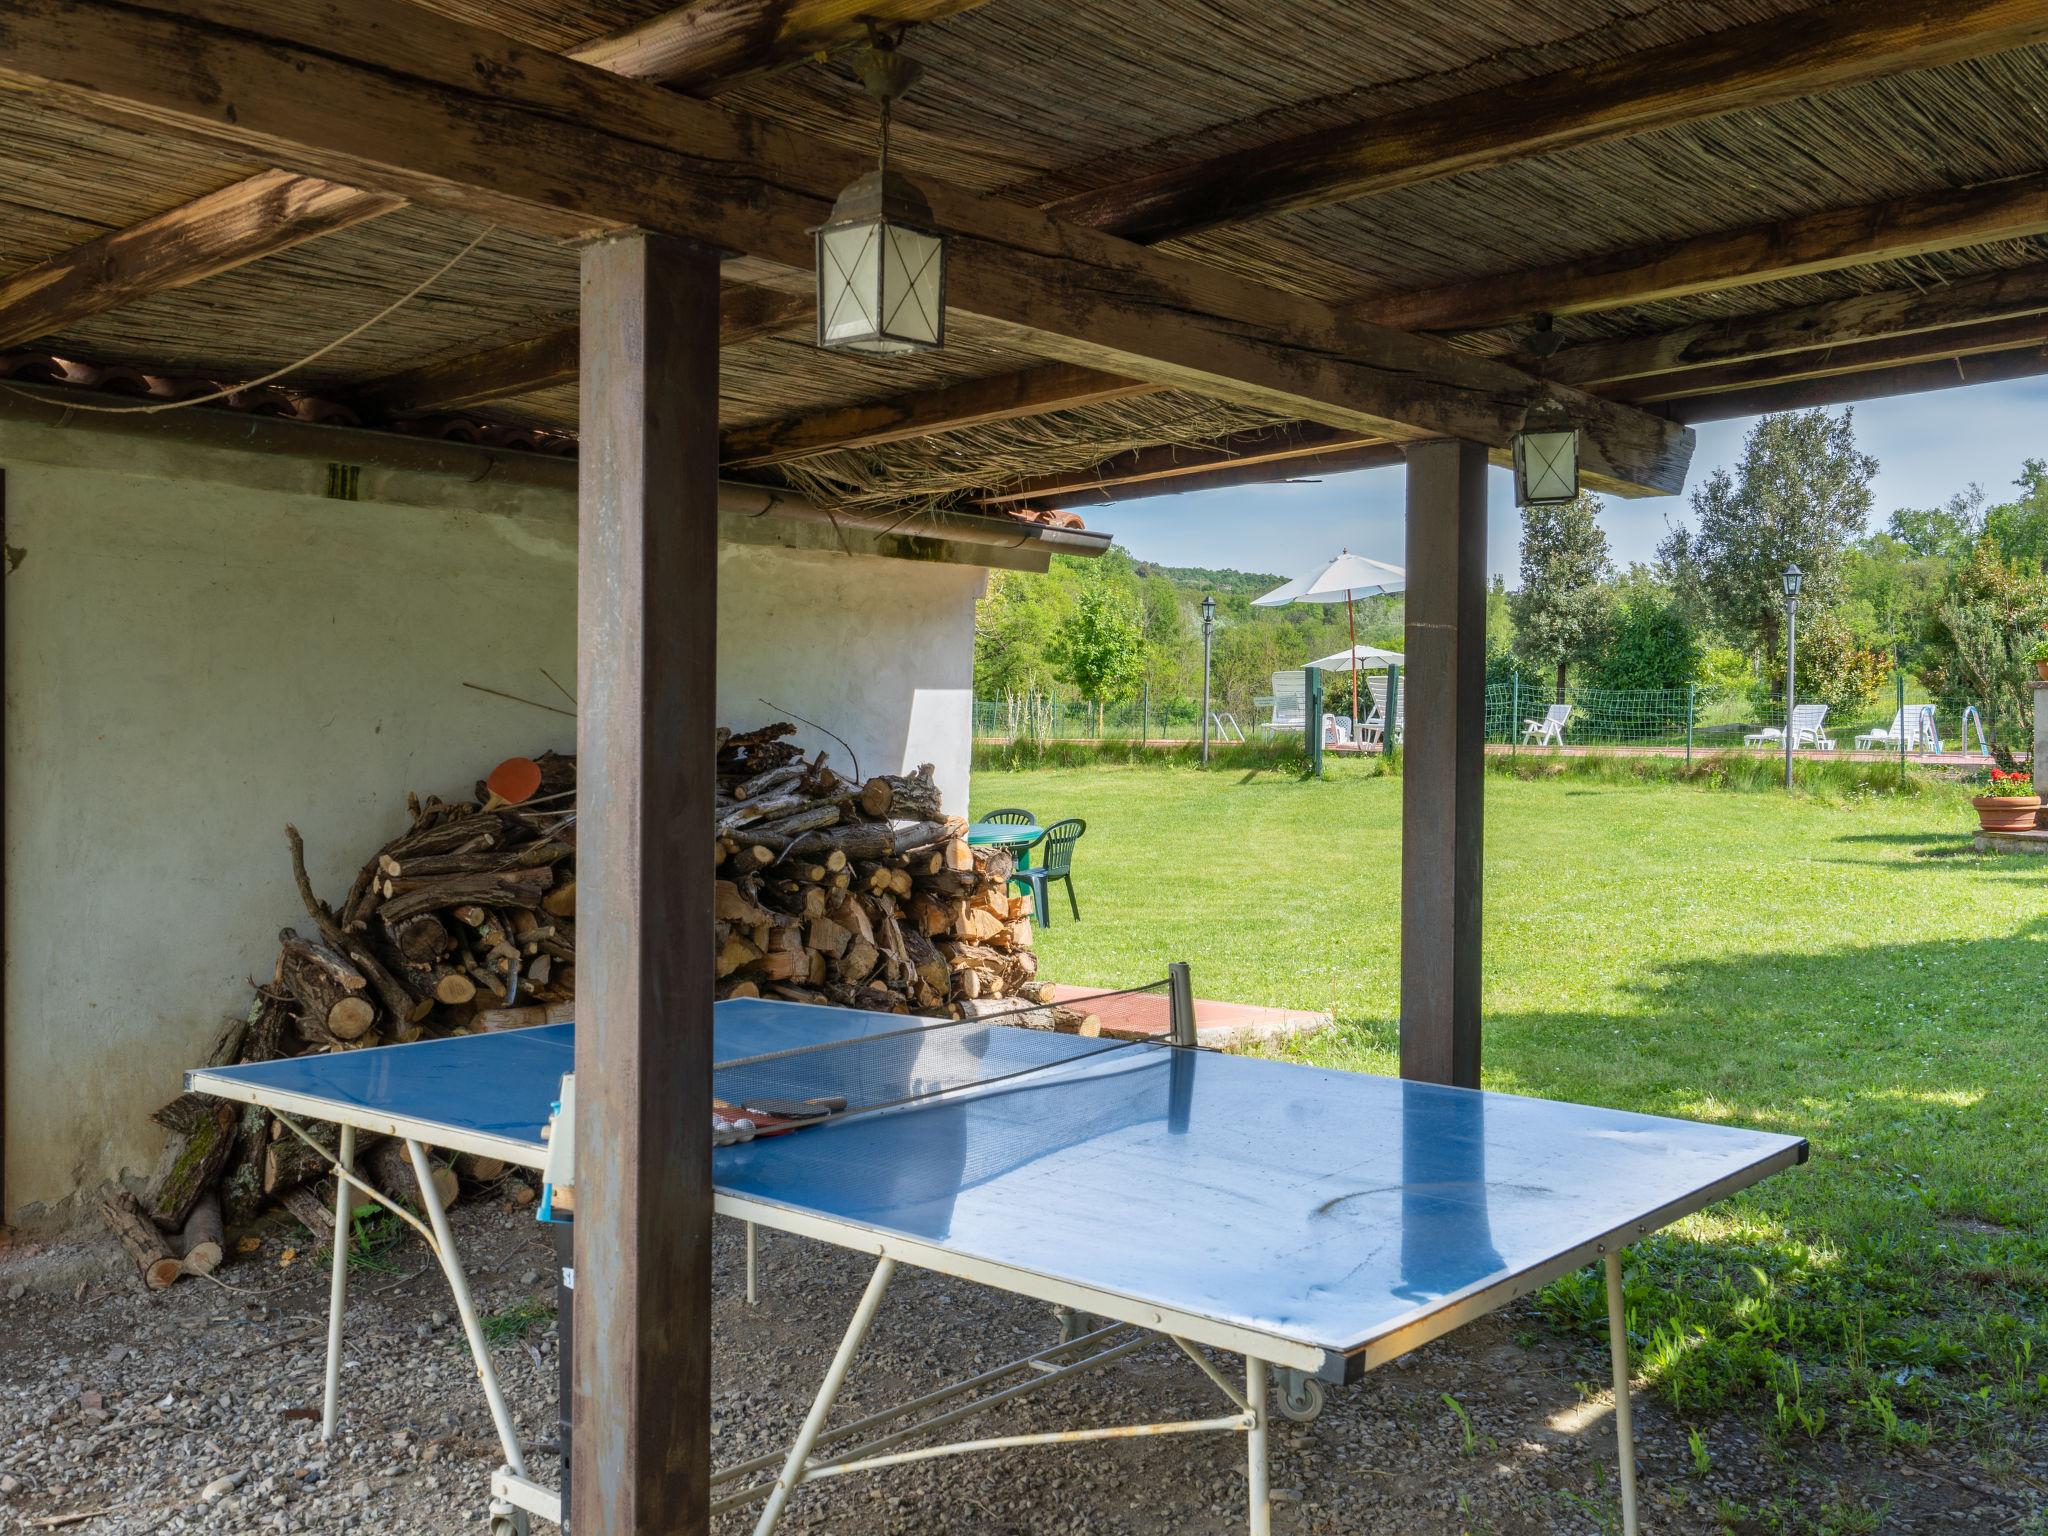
x=1340, y=580
x=1360, y=658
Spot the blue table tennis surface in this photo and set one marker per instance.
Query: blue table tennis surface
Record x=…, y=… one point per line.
x=1328, y=1208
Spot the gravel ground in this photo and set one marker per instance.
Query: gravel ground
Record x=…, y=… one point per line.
x=196, y=1410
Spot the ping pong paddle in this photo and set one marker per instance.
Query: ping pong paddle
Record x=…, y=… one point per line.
x=778, y=1117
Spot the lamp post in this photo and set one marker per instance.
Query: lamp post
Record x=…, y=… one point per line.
x=1208, y=629
x=1792, y=578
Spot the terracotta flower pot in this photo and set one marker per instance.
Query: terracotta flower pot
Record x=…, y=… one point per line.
x=2041, y=670
x=2007, y=813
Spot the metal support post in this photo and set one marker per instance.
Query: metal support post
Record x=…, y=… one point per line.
x=753, y=1243
x=1791, y=678
x=1515, y=711
x=1180, y=993
x=1691, y=692
x=1312, y=717
x=1624, y=1422
x=1899, y=674
x=821, y=1406
x=1259, y=1495
x=337, y=1286
x=1145, y=723
x=1389, y=742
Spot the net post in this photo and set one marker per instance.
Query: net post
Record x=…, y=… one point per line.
x=1180, y=994
x=1899, y=675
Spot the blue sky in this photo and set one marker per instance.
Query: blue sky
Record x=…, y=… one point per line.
x=1928, y=447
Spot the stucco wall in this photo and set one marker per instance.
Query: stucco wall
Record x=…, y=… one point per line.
x=190, y=665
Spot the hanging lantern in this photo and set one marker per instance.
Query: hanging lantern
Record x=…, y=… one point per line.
x=881, y=256
x=1546, y=457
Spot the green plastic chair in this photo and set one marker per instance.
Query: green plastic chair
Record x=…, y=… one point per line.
x=1010, y=816
x=1056, y=862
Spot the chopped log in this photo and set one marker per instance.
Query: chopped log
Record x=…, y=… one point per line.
x=479, y=1169
x=422, y=939
x=508, y=887
x=827, y=937
x=202, y=1242
x=561, y=901
x=870, y=839
x=389, y=1167
x=914, y=798
x=395, y=995
x=857, y=962
x=734, y=903
x=735, y=953
x=288, y=1162
x=453, y=987
x=241, y=1187
x=743, y=989
x=492, y=1019
x=312, y=1211
x=191, y=1161
x=124, y=1217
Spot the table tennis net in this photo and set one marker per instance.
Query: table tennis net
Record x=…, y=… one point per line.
x=905, y=1061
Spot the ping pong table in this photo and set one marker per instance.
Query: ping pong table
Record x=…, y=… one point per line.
x=1313, y=1222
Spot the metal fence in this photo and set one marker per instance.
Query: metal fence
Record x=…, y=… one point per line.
x=1692, y=719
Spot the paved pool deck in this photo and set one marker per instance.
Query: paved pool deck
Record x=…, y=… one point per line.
x=1144, y=1016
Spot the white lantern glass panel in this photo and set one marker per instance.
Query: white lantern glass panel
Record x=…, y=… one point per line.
x=849, y=284
x=1546, y=467
x=913, y=301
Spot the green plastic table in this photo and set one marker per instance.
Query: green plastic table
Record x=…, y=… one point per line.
x=1004, y=834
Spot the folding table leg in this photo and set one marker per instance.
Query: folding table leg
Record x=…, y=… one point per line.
x=337, y=1286
x=1260, y=1521
x=1624, y=1423
x=821, y=1406
x=465, y=1307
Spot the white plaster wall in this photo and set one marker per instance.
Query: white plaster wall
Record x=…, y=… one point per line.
x=881, y=651
x=190, y=665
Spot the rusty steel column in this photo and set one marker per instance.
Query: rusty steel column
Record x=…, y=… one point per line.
x=1443, y=762
x=647, y=609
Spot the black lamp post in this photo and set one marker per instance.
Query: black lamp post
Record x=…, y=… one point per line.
x=1792, y=578
x=1208, y=629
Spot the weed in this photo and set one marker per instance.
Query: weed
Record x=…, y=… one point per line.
x=1702, y=1458
x=1464, y=1423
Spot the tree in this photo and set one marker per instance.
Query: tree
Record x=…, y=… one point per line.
x=1101, y=648
x=1833, y=668
x=1013, y=624
x=2021, y=525
x=1991, y=613
x=1650, y=643
x=1947, y=530
x=1559, y=610
x=1799, y=495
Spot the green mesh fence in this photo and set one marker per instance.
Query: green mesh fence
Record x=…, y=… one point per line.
x=1699, y=719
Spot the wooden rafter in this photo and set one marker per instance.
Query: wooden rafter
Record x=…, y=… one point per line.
x=548, y=360
x=1154, y=468
x=1876, y=384
x=1855, y=357
x=394, y=97
x=268, y=212
x=1825, y=48
x=998, y=397
x=1995, y=296
x=1763, y=253
x=713, y=43
x=1330, y=461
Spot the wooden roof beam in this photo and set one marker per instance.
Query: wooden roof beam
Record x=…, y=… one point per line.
x=549, y=360
x=268, y=212
x=1992, y=297
x=1826, y=362
x=1872, y=384
x=1825, y=48
x=974, y=402
x=1894, y=230
x=389, y=95
x=1338, y=458
x=1166, y=466
x=715, y=43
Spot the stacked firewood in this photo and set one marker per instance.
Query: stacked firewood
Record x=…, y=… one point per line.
x=464, y=921
x=856, y=892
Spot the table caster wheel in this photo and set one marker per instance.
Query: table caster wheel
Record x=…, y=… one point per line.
x=507, y=1519
x=1301, y=1397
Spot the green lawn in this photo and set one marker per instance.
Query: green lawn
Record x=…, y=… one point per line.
x=1839, y=968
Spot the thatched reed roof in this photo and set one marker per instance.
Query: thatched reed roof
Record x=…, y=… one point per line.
x=1044, y=98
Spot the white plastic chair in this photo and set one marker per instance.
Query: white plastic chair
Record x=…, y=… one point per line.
x=1336, y=730
x=1290, y=705
x=1915, y=724
x=1372, y=732
x=1808, y=721
x=1548, y=731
